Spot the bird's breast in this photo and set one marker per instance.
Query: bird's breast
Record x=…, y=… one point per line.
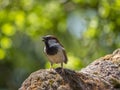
x=55, y=56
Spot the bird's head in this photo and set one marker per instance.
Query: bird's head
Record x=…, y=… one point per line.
x=50, y=40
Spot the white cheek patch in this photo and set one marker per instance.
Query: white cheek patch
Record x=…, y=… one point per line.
x=44, y=49
x=52, y=43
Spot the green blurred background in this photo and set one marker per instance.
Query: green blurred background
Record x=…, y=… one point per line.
x=88, y=29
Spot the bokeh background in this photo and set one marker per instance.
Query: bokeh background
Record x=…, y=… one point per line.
x=88, y=29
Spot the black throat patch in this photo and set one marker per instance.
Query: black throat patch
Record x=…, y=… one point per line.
x=51, y=50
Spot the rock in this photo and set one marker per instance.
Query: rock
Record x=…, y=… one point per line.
x=102, y=74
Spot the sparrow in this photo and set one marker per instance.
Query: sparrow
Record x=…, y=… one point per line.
x=54, y=50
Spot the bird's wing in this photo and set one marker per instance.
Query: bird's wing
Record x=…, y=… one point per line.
x=65, y=56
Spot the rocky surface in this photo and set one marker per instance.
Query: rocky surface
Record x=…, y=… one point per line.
x=102, y=74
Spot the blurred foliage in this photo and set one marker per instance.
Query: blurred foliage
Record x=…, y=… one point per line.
x=88, y=29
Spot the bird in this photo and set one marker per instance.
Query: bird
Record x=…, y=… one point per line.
x=54, y=50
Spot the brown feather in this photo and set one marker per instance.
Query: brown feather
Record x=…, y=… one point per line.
x=66, y=59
